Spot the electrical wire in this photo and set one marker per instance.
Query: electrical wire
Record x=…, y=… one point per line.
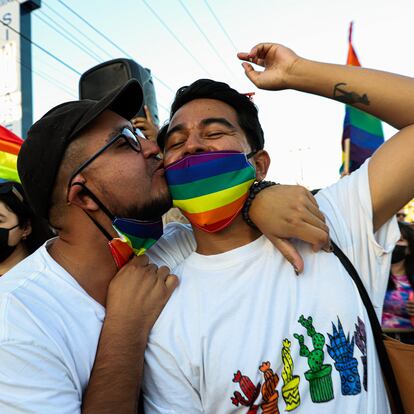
x=110, y=41
x=206, y=37
x=90, y=53
x=50, y=79
x=220, y=25
x=166, y=27
x=74, y=28
x=41, y=48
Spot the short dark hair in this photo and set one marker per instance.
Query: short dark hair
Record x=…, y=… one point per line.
x=247, y=114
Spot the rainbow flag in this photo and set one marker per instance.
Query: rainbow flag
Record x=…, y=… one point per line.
x=363, y=130
x=9, y=149
x=204, y=196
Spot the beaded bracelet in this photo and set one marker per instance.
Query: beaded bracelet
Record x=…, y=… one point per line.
x=254, y=190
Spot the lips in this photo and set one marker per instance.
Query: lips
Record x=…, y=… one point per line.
x=158, y=169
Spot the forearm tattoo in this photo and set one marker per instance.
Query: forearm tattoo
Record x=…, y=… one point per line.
x=341, y=95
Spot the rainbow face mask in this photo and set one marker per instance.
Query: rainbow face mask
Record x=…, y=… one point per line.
x=135, y=236
x=210, y=188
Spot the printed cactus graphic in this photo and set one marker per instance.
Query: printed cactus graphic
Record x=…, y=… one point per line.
x=290, y=389
x=319, y=375
x=249, y=390
x=269, y=394
x=341, y=351
x=361, y=343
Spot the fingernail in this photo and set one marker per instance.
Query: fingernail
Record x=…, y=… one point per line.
x=296, y=270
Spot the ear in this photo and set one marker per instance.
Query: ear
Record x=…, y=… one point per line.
x=262, y=163
x=27, y=230
x=78, y=197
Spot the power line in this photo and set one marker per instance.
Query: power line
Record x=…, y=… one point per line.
x=109, y=40
x=90, y=53
x=76, y=29
x=166, y=27
x=206, y=38
x=221, y=26
x=48, y=78
x=41, y=48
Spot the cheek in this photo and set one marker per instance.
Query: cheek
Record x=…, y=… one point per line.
x=170, y=157
x=15, y=236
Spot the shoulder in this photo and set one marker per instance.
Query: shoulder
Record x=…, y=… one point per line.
x=23, y=273
x=352, y=188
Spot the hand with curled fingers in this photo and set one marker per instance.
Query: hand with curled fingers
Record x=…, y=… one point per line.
x=282, y=212
x=138, y=293
x=146, y=125
x=278, y=62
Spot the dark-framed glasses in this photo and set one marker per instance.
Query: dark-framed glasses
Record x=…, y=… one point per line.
x=130, y=137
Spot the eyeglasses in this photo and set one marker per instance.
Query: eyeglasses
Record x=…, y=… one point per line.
x=402, y=215
x=9, y=187
x=131, y=138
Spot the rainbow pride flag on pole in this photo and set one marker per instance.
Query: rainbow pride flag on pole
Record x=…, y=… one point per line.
x=9, y=149
x=362, y=133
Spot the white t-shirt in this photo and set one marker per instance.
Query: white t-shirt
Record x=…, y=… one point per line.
x=228, y=340
x=49, y=330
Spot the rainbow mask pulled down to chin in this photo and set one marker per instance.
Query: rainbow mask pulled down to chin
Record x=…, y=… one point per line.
x=210, y=188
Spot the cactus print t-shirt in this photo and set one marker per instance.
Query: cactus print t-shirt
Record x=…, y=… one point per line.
x=243, y=334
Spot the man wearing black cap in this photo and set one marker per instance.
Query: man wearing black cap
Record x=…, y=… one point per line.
x=241, y=333
x=53, y=304
x=87, y=171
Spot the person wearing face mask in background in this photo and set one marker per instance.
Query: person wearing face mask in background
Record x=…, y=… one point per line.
x=21, y=233
x=398, y=311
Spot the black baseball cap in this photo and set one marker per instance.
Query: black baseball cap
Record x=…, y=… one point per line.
x=41, y=154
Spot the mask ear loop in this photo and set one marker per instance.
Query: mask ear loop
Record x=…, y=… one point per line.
x=121, y=251
x=101, y=206
x=250, y=154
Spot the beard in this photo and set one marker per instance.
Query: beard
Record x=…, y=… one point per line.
x=149, y=210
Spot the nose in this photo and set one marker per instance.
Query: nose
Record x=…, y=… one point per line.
x=149, y=148
x=194, y=143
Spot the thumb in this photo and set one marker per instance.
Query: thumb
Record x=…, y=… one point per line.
x=289, y=252
x=252, y=74
x=171, y=282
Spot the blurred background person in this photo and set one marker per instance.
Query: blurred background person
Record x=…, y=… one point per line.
x=21, y=233
x=401, y=215
x=398, y=311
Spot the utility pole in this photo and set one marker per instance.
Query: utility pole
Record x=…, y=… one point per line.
x=16, y=107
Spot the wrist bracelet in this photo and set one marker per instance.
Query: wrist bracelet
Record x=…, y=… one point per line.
x=254, y=190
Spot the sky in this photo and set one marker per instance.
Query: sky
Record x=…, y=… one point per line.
x=184, y=40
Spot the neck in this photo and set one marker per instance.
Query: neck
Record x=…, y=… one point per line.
x=17, y=256
x=85, y=255
x=238, y=234
x=398, y=268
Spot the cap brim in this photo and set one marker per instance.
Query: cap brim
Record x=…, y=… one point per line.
x=126, y=101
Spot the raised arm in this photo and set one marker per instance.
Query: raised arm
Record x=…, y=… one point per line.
x=387, y=96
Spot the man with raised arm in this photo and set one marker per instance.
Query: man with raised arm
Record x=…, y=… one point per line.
x=73, y=326
x=240, y=334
